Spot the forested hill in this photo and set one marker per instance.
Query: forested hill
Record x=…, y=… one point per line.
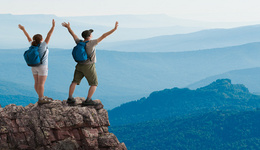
x=218, y=130
x=219, y=95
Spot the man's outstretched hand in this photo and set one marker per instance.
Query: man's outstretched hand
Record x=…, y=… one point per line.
x=66, y=25
x=116, y=25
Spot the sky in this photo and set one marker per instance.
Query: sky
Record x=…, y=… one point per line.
x=205, y=10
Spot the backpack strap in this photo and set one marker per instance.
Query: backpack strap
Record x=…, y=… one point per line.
x=43, y=56
x=43, y=53
x=89, y=56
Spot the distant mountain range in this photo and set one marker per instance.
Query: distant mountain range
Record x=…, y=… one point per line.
x=120, y=72
x=154, y=20
x=20, y=94
x=249, y=77
x=206, y=39
x=16, y=99
x=12, y=93
x=131, y=27
x=12, y=88
x=219, y=95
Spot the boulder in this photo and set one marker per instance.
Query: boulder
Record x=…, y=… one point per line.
x=56, y=126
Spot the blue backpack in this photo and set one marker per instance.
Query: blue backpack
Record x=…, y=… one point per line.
x=32, y=56
x=79, y=52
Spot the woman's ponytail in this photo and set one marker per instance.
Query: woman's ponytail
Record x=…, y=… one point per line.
x=37, y=38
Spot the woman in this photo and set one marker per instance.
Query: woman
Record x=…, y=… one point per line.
x=40, y=72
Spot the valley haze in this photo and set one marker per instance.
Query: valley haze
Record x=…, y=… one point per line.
x=132, y=27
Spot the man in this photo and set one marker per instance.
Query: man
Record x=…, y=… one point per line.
x=86, y=69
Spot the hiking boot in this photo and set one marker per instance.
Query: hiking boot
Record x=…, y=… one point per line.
x=71, y=101
x=89, y=103
x=45, y=100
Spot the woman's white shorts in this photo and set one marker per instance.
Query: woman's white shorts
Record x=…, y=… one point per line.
x=41, y=70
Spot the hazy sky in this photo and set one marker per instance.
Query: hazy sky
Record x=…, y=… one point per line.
x=209, y=10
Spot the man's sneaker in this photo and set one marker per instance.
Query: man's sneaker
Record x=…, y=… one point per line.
x=45, y=100
x=89, y=103
x=71, y=101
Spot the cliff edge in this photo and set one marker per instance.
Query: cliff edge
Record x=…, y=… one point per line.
x=56, y=126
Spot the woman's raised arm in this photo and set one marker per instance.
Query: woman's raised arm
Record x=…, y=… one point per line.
x=50, y=32
x=25, y=33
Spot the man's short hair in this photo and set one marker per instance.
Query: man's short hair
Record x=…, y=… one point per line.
x=85, y=34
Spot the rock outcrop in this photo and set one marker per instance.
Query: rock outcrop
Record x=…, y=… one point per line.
x=56, y=126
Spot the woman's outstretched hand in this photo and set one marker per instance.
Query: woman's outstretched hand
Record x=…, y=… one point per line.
x=21, y=27
x=53, y=22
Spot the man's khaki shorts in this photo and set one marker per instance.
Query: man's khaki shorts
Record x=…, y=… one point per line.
x=88, y=71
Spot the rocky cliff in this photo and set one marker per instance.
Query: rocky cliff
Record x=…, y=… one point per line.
x=56, y=126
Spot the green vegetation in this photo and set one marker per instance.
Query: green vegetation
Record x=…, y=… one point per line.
x=214, y=130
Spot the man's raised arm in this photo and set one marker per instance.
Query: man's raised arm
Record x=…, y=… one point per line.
x=107, y=33
x=67, y=25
